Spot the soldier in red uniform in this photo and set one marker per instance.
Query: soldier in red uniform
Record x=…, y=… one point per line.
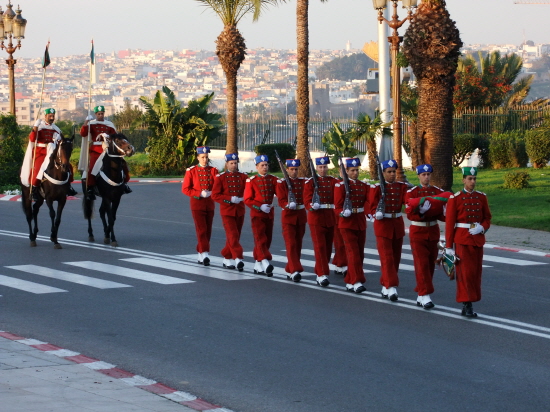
x=258, y=196
x=353, y=224
x=197, y=184
x=467, y=219
x=38, y=151
x=389, y=228
x=97, y=126
x=339, y=260
x=228, y=191
x=424, y=234
x=321, y=218
x=293, y=219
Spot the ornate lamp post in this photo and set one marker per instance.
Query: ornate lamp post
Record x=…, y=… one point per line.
x=12, y=24
x=395, y=40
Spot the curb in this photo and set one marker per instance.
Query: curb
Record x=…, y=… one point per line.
x=149, y=385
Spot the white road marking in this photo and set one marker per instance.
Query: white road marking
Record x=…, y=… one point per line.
x=27, y=286
x=373, y=262
x=129, y=273
x=69, y=277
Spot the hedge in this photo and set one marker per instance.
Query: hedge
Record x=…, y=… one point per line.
x=285, y=150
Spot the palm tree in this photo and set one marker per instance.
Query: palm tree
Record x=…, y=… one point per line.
x=231, y=51
x=302, y=92
x=409, y=111
x=432, y=47
x=369, y=129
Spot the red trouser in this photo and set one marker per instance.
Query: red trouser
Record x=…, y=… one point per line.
x=322, y=246
x=262, y=229
x=203, y=227
x=293, y=236
x=354, y=241
x=468, y=273
x=390, y=257
x=340, y=259
x=232, y=226
x=424, y=254
x=40, y=155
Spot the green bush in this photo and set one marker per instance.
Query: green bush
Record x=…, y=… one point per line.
x=139, y=138
x=508, y=150
x=338, y=142
x=483, y=142
x=285, y=150
x=11, y=151
x=464, y=145
x=537, y=145
x=516, y=180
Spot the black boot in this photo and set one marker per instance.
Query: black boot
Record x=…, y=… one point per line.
x=468, y=310
x=35, y=193
x=71, y=191
x=127, y=189
x=90, y=195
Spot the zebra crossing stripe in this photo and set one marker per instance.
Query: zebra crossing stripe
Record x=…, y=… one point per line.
x=26, y=286
x=367, y=261
x=69, y=277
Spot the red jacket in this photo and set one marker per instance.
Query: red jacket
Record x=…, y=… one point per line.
x=260, y=190
x=359, y=196
x=96, y=128
x=324, y=216
x=297, y=216
x=395, y=199
x=197, y=179
x=465, y=207
x=226, y=185
x=423, y=232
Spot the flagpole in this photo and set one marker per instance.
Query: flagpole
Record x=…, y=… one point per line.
x=89, y=112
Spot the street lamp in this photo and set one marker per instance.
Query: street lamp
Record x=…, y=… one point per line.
x=395, y=40
x=12, y=24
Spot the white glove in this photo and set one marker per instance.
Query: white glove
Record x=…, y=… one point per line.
x=105, y=144
x=425, y=207
x=37, y=123
x=476, y=230
x=292, y=206
x=444, y=210
x=346, y=213
x=206, y=193
x=450, y=251
x=379, y=215
x=369, y=217
x=90, y=117
x=235, y=199
x=265, y=208
x=316, y=206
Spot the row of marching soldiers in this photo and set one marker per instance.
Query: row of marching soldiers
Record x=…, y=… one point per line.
x=466, y=212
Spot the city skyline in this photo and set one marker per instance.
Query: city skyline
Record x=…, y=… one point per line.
x=185, y=24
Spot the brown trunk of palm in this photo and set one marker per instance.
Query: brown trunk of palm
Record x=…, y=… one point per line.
x=302, y=92
x=231, y=51
x=432, y=47
x=372, y=152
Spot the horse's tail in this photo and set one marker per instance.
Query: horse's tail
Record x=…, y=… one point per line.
x=87, y=208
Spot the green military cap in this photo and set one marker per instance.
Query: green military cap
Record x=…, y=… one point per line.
x=49, y=111
x=99, y=109
x=469, y=171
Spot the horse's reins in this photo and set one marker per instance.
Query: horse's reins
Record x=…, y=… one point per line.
x=103, y=175
x=57, y=165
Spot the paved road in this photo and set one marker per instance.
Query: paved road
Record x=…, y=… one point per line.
x=257, y=344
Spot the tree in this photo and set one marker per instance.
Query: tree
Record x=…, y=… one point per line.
x=354, y=66
x=432, y=47
x=127, y=117
x=368, y=129
x=338, y=142
x=11, y=151
x=409, y=111
x=231, y=51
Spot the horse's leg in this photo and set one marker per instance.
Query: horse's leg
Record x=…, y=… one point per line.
x=27, y=209
x=105, y=209
x=88, y=209
x=35, y=209
x=56, y=219
x=112, y=219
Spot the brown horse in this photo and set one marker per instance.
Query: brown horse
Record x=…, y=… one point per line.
x=54, y=187
x=110, y=184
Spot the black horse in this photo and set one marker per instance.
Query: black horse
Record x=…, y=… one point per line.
x=110, y=184
x=54, y=187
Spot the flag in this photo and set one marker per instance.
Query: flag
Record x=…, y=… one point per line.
x=46, y=60
x=92, y=55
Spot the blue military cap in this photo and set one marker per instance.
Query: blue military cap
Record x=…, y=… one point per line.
x=260, y=159
x=389, y=163
x=231, y=156
x=353, y=162
x=322, y=160
x=203, y=149
x=424, y=168
x=293, y=163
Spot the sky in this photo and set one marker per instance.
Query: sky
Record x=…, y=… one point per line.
x=186, y=24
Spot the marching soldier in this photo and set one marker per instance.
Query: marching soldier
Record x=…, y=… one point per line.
x=228, y=191
x=97, y=126
x=197, y=184
x=424, y=235
x=258, y=196
x=39, y=150
x=293, y=219
x=321, y=218
x=467, y=219
x=339, y=260
x=389, y=228
x=353, y=225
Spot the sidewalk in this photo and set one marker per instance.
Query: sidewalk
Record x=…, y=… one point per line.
x=33, y=380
